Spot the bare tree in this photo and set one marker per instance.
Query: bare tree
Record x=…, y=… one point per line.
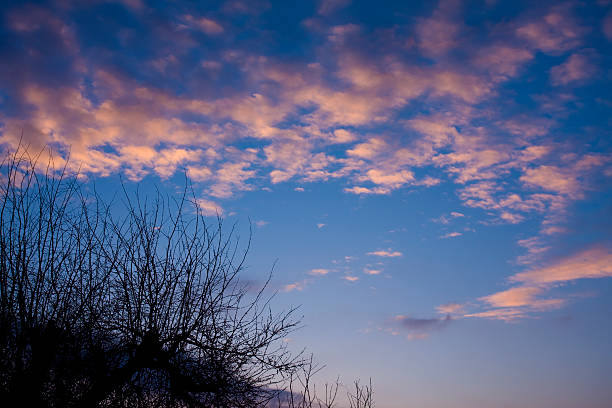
x=362, y=397
x=301, y=391
x=136, y=303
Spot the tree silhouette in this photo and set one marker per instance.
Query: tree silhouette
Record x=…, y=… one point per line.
x=134, y=303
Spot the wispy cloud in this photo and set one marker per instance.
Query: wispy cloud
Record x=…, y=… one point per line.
x=207, y=25
x=577, y=68
x=421, y=328
x=529, y=296
x=386, y=253
x=588, y=264
x=439, y=33
x=209, y=208
x=451, y=309
x=555, y=32
x=318, y=272
x=295, y=286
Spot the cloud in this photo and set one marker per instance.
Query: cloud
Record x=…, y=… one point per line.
x=366, y=190
x=342, y=117
x=386, y=253
x=508, y=315
x=444, y=219
x=535, y=248
x=502, y=61
x=295, y=286
x=318, y=272
x=577, y=68
x=591, y=263
x=369, y=271
x=419, y=328
x=524, y=300
x=556, y=32
x=209, y=208
x=350, y=278
x=452, y=235
x=439, y=33
x=552, y=178
x=520, y=296
x=207, y=25
x=321, y=225
x=230, y=177
x=451, y=309
x=261, y=223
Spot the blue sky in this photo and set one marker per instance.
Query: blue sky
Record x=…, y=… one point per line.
x=433, y=180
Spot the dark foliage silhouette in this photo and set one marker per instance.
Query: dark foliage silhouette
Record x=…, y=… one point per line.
x=138, y=303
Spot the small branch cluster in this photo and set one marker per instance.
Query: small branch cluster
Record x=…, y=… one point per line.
x=302, y=392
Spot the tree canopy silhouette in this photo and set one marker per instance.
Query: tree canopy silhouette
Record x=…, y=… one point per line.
x=137, y=302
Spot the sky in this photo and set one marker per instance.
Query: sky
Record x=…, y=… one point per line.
x=430, y=182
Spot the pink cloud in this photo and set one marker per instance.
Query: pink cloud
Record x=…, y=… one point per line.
x=556, y=32
x=369, y=149
x=231, y=177
x=366, y=190
x=208, y=207
x=452, y=235
x=439, y=33
x=502, y=61
x=589, y=264
x=535, y=248
x=514, y=297
x=390, y=179
x=469, y=88
x=576, y=68
x=207, y=25
x=295, y=286
x=525, y=300
x=451, y=309
x=343, y=136
x=505, y=314
x=386, y=254
x=125, y=129
x=552, y=178
x=199, y=173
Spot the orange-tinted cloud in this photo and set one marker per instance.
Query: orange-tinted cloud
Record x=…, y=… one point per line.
x=529, y=297
x=386, y=254
x=588, y=264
